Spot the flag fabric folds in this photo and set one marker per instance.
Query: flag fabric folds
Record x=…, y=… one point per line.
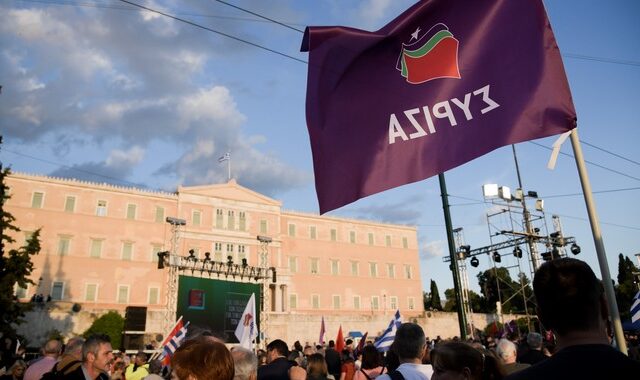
x=173, y=341
x=225, y=157
x=340, y=341
x=635, y=308
x=445, y=82
x=361, y=344
x=383, y=342
x=247, y=331
x=322, y=332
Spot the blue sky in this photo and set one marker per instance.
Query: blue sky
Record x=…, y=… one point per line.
x=98, y=90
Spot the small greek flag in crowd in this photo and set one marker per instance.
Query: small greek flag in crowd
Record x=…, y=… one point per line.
x=383, y=343
x=635, y=308
x=225, y=157
x=173, y=341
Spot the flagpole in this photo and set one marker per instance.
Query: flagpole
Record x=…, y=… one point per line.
x=229, y=167
x=598, y=241
x=462, y=320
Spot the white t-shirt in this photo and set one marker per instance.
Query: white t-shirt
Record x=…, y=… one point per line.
x=412, y=371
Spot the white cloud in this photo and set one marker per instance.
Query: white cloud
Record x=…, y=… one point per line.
x=119, y=158
x=432, y=249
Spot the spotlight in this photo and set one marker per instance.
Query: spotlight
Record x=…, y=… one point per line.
x=517, y=252
x=464, y=251
x=546, y=256
x=161, y=256
x=496, y=257
x=474, y=262
x=575, y=249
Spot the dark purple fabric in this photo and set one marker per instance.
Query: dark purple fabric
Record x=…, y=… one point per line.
x=353, y=88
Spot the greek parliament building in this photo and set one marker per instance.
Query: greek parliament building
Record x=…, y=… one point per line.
x=100, y=245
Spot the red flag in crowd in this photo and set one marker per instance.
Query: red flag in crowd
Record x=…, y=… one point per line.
x=340, y=340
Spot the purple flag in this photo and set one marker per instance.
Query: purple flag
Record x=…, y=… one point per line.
x=445, y=82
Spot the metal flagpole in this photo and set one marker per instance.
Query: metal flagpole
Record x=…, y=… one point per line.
x=597, y=239
x=229, y=165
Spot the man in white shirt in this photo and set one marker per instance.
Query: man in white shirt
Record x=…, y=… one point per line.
x=409, y=345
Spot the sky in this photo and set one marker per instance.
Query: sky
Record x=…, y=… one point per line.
x=103, y=91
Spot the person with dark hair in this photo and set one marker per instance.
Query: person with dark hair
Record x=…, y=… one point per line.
x=202, y=358
x=459, y=360
x=97, y=359
x=317, y=368
x=571, y=303
x=138, y=369
x=155, y=369
x=371, y=364
x=332, y=357
x=409, y=346
x=277, y=367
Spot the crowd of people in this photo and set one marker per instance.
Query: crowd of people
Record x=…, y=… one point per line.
x=570, y=301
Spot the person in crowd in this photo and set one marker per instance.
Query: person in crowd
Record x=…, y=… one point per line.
x=532, y=353
x=139, y=368
x=371, y=366
x=71, y=357
x=155, y=370
x=348, y=367
x=409, y=346
x=245, y=363
x=332, y=357
x=317, y=368
x=50, y=351
x=202, y=358
x=97, y=359
x=117, y=370
x=459, y=360
x=16, y=371
x=571, y=303
x=507, y=351
x=277, y=367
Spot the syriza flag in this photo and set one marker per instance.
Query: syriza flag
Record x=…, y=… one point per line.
x=173, y=340
x=445, y=82
x=247, y=329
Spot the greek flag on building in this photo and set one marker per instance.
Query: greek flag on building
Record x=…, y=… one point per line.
x=635, y=308
x=383, y=343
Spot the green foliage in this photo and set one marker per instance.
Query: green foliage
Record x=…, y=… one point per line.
x=15, y=264
x=111, y=324
x=497, y=285
x=626, y=288
x=432, y=299
x=477, y=302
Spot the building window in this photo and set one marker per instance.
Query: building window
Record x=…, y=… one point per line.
x=155, y=248
x=123, y=294
x=91, y=292
x=336, y=302
x=64, y=243
x=131, y=211
x=292, y=230
x=263, y=226
x=217, y=252
x=315, y=264
x=101, y=208
x=127, y=250
x=352, y=237
x=334, y=234
x=57, y=291
x=96, y=248
x=405, y=242
x=375, y=303
x=231, y=220
x=27, y=236
x=393, y=303
x=230, y=251
x=411, y=303
x=387, y=240
x=293, y=301
x=37, y=199
x=219, y=216
x=159, y=214
x=70, y=204
x=154, y=295
x=241, y=253
x=356, y=302
x=243, y=220
x=355, y=268
x=391, y=270
x=313, y=233
x=293, y=264
x=408, y=273
x=370, y=238
x=195, y=217
x=21, y=293
x=335, y=267
x=315, y=301
x=373, y=269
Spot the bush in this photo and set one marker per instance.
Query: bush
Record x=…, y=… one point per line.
x=111, y=324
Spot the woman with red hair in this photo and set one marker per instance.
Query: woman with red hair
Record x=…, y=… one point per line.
x=202, y=358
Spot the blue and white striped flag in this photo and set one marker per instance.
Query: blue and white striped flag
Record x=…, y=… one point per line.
x=635, y=308
x=383, y=343
x=225, y=157
x=173, y=341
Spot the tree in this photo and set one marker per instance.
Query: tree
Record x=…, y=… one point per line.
x=111, y=324
x=476, y=301
x=15, y=264
x=496, y=285
x=432, y=299
x=627, y=287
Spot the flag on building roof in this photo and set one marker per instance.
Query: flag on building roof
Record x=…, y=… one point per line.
x=173, y=341
x=225, y=157
x=247, y=330
x=445, y=82
x=635, y=308
x=340, y=340
x=383, y=342
x=322, y=331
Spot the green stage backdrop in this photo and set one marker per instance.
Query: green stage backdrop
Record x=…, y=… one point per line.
x=215, y=305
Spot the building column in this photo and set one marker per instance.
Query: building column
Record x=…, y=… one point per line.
x=283, y=290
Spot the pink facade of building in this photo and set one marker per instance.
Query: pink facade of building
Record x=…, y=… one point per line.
x=99, y=245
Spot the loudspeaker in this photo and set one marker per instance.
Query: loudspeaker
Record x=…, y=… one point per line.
x=135, y=318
